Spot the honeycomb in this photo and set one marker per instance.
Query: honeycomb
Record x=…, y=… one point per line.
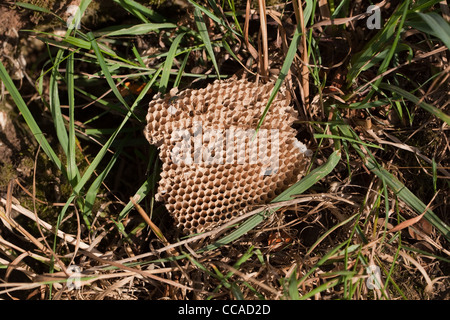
x=214, y=163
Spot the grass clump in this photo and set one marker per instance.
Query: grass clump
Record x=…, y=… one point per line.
x=371, y=107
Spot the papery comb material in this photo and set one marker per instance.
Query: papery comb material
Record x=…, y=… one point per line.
x=214, y=165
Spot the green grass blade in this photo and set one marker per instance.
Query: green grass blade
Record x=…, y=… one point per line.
x=329, y=231
x=80, y=12
x=94, y=164
x=407, y=95
x=393, y=48
x=331, y=136
x=141, y=193
x=73, y=173
x=62, y=42
x=432, y=23
x=236, y=292
x=312, y=178
x=104, y=149
x=308, y=11
x=214, y=18
x=224, y=278
x=205, y=11
x=36, y=8
x=29, y=119
x=181, y=70
x=233, y=14
x=323, y=287
x=434, y=171
x=91, y=194
x=322, y=260
x=293, y=289
x=105, y=70
x=374, y=46
x=54, y=103
x=421, y=6
x=138, y=29
x=74, y=42
x=203, y=31
x=230, y=51
x=408, y=197
x=140, y=11
x=384, y=65
x=283, y=73
x=397, y=187
x=77, y=42
x=381, y=56
x=168, y=64
x=100, y=155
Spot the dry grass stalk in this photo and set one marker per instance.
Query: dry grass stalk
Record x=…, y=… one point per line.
x=264, y=53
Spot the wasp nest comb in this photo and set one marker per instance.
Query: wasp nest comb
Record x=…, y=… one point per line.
x=214, y=163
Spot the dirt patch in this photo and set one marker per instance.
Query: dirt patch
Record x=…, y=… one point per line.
x=16, y=145
x=9, y=141
x=11, y=23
